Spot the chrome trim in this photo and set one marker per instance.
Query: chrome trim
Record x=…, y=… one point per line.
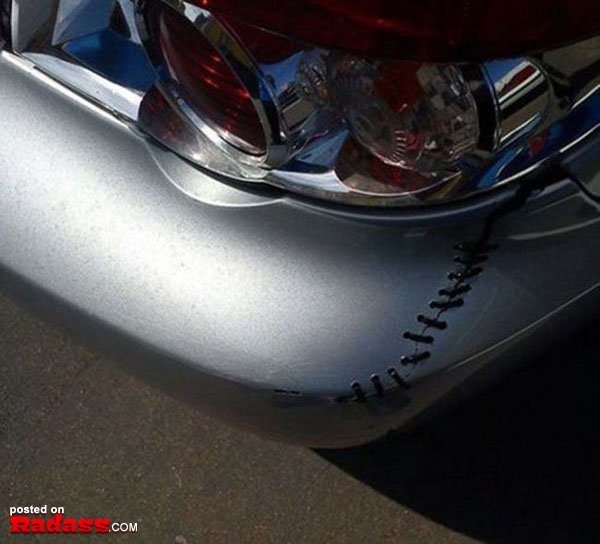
x=41, y=31
x=522, y=94
x=160, y=109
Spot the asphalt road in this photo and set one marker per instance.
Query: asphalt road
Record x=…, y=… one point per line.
x=518, y=464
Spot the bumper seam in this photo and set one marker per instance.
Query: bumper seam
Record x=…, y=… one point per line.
x=471, y=255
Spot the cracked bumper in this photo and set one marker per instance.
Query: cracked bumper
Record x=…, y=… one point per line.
x=262, y=308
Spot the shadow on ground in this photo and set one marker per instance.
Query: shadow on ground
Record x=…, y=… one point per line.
x=519, y=463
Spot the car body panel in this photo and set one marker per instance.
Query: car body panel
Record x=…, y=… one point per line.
x=265, y=306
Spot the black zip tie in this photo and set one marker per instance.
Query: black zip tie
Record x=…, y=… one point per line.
x=359, y=394
x=465, y=274
x=420, y=338
x=469, y=260
x=432, y=322
x=452, y=292
x=413, y=359
x=377, y=384
x=446, y=304
x=287, y=392
x=475, y=251
x=397, y=378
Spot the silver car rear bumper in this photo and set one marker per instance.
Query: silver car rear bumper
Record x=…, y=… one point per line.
x=265, y=308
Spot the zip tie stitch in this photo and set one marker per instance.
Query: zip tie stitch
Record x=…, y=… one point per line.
x=415, y=358
x=377, y=384
x=432, y=322
x=475, y=249
x=419, y=338
x=397, y=378
x=446, y=304
x=359, y=394
x=454, y=291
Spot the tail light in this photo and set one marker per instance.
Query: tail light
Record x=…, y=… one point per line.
x=415, y=116
x=372, y=102
x=428, y=30
x=205, y=80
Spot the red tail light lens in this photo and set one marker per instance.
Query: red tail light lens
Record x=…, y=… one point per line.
x=432, y=30
x=205, y=80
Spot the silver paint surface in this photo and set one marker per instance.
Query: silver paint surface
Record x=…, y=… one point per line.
x=242, y=294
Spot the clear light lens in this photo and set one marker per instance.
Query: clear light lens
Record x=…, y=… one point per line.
x=413, y=116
